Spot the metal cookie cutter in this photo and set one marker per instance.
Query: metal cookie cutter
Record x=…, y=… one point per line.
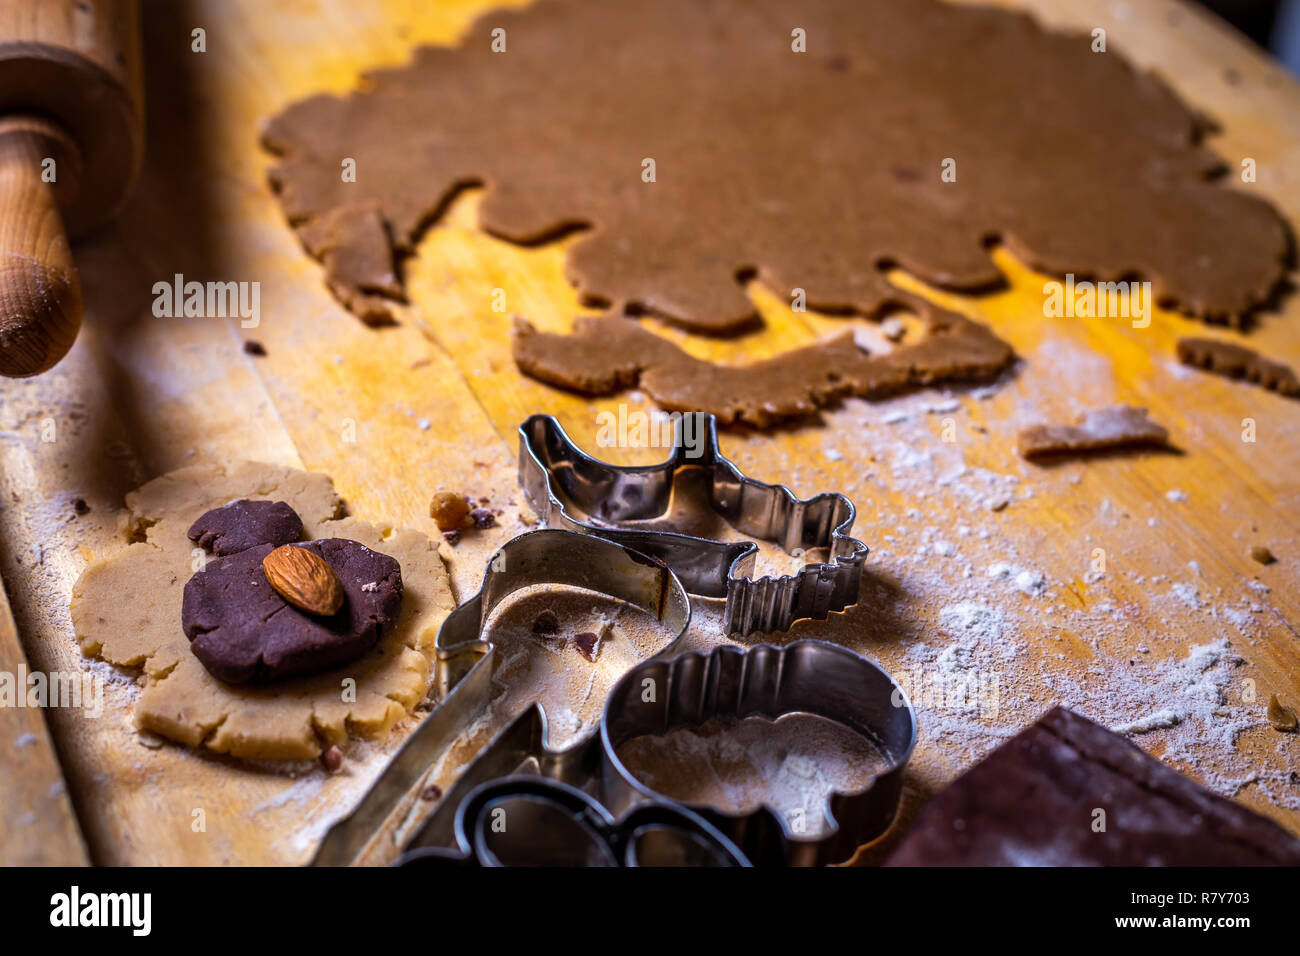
x=528, y=820
x=556, y=475
x=466, y=661
x=812, y=677
x=805, y=677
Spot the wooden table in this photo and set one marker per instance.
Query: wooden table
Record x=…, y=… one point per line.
x=140, y=395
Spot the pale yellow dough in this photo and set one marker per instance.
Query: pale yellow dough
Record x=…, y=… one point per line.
x=126, y=609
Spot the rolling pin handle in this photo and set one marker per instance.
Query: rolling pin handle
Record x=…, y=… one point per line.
x=40, y=295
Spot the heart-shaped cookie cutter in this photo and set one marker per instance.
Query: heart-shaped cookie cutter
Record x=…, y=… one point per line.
x=556, y=474
x=466, y=660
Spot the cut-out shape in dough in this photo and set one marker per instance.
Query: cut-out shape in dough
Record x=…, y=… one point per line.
x=126, y=609
x=699, y=146
x=605, y=355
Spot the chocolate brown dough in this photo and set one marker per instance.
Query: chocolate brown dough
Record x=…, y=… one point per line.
x=1237, y=361
x=352, y=242
x=1121, y=427
x=605, y=355
x=242, y=630
x=1034, y=802
x=245, y=523
x=810, y=170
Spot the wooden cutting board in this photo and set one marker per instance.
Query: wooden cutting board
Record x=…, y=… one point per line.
x=434, y=404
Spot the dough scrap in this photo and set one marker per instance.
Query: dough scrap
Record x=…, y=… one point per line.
x=126, y=610
x=605, y=355
x=807, y=169
x=1236, y=361
x=1124, y=426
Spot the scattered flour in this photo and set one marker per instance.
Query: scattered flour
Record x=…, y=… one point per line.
x=1026, y=580
x=977, y=623
x=1188, y=594
x=1106, y=651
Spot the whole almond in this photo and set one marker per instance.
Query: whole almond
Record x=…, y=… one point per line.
x=304, y=579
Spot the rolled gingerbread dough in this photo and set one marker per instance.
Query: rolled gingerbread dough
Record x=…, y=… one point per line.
x=809, y=144
x=126, y=610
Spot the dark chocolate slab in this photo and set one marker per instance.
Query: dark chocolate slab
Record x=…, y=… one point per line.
x=1033, y=802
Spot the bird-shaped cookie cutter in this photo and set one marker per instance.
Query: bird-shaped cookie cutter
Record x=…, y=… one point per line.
x=569, y=489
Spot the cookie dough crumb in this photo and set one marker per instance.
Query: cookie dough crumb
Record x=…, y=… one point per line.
x=588, y=644
x=1262, y=554
x=332, y=759
x=1280, y=716
x=1160, y=720
x=448, y=511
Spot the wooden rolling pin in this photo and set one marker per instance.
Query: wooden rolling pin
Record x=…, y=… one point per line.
x=71, y=143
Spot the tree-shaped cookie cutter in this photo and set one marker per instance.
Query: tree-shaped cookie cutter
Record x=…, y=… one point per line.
x=560, y=481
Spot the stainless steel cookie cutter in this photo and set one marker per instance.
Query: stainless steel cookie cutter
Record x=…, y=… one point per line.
x=809, y=676
x=527, y=820
x=466, y=661
x=556, y=475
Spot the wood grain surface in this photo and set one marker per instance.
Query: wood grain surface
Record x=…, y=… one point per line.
x=435, y=401
x=40, y=297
